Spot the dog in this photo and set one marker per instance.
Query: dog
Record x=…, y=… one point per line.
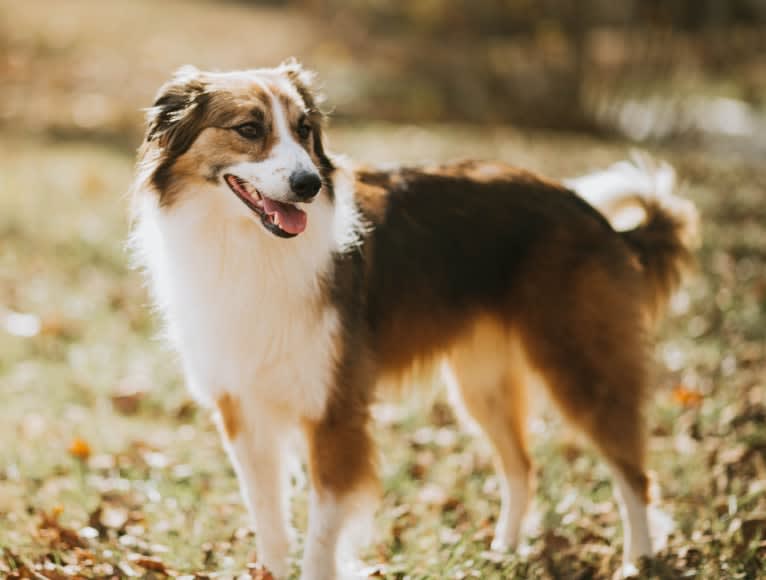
x=292, y=282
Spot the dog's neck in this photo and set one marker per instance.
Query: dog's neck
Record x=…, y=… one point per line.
x=232, y=246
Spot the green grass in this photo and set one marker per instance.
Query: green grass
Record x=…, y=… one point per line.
x=164, y=486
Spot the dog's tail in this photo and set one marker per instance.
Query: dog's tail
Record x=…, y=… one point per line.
x=639, y=198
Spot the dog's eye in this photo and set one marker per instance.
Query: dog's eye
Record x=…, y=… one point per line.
x=304, y=129
x=250, y=131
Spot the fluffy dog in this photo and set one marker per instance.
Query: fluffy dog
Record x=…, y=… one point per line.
x=291, y=283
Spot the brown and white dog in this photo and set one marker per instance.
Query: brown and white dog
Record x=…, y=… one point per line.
x=291, y=284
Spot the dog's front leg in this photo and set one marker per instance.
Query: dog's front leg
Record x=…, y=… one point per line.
x=252, y=440
x=344, y=487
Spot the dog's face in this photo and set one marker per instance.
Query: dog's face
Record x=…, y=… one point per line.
x=251, y=136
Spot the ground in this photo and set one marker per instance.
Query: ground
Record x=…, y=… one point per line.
x=107, y=469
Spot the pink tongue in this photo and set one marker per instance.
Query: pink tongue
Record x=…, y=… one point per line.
x=291, y=219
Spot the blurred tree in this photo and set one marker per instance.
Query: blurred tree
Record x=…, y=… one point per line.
x=538, y=63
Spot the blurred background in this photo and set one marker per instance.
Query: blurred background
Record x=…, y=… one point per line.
x=646, y=69
x=108, y=470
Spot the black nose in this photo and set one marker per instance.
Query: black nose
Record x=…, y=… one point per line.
x=305, y=184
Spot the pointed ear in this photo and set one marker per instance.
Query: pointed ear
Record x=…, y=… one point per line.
x=177, y=110
x=304, y=81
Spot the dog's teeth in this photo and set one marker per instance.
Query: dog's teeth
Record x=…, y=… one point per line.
x=275, y=219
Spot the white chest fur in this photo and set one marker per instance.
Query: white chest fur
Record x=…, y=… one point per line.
x=244, y=308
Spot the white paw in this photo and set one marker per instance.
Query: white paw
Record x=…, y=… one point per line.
x=506, y=536
x=628, y=570
x=503, y=544
x=275, y=558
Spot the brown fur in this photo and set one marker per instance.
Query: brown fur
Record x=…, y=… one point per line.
x=452, y=245
x=663, y=244
x=510, y=277
x=231, y=414
x=492, y=379
x=189, y=127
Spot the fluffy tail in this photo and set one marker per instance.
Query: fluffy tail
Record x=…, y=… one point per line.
x=639, y=199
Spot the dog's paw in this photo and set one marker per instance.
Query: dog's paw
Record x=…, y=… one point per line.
x=274, y=556
x=506, y=537
x=503, y=545
x=630, y=570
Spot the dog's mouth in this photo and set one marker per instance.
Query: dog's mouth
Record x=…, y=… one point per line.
x=281, y=219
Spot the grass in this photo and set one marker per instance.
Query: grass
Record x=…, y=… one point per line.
x=107, y=469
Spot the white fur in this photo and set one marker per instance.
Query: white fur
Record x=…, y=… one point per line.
x=611, y=190
x=325, y=522
x=272, y=175
x=640, y=176
x=633, y=512
x=242, y=305
x=625, y=191
x=337, y=527
x=487, y=367
x=243, y=308
x=257, y=454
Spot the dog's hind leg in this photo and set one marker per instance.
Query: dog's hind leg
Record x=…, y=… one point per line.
x=595, y=369
x=253, y=442
x=615, y=427
x=486, y=374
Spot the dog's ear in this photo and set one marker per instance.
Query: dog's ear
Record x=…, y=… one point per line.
x=173, y=121
x=305, y=83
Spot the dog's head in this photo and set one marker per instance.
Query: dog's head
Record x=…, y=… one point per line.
x=245, y=141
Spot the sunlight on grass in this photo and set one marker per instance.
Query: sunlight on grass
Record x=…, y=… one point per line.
x=153, y=485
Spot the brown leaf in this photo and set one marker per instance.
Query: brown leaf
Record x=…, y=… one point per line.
x=127, y=403
x=555, y=543
x=186, y=410
x=17, y=568
x=753, y=528
x=259, y=572
x=94, y=521
x=153, y=564
x=57, y=535
x=56, y=326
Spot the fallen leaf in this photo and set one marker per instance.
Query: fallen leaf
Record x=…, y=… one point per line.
x=127, y=403
x=686, y=397
x=56, y=326
x=17, y=566
x=148, y=563
x=259, y=572
x=56, y=535
x=79, y=448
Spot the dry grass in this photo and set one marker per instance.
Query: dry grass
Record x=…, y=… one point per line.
x=156, y=483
